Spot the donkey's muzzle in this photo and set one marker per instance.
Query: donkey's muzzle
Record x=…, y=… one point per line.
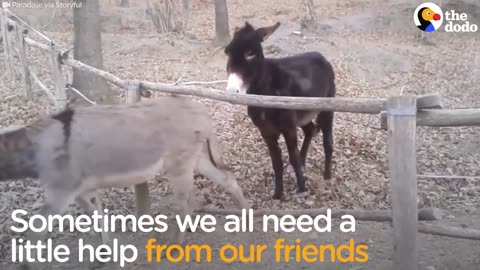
x=235, y=84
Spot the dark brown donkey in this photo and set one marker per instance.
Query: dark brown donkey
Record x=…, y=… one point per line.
x=304, y=75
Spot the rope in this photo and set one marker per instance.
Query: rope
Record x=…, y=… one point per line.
x=82, y=95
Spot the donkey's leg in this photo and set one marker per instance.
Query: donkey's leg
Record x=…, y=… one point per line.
x=224, y=178
x=180, y=174
x=182, y=184
x=54, y=205
x=91, y=202
x=227, y=180
x=309, y=132
x=290, y=136
x=183, y=191
x=325, y=122
x=184, y=198
x=276, y=157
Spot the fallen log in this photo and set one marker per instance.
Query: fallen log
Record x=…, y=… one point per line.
x=447, y=231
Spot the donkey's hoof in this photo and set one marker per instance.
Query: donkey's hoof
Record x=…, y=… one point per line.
x=243, y=204
x=277, y=196
x=302, y=194
x=301, y=188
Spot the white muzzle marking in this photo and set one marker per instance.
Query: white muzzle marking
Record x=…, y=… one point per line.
x=235, y=84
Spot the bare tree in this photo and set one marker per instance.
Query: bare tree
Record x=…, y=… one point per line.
x=88, y=49
x=124, y=3
x=166, y=16
x=222, y=28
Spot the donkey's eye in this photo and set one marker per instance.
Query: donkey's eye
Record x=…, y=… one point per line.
x=249, y=55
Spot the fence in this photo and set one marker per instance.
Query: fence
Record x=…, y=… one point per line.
x=400, y=115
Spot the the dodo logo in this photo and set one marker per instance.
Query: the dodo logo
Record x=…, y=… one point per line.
x=428, y=17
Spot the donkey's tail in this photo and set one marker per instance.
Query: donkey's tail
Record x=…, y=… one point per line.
x=214, y=152
x=17, y=155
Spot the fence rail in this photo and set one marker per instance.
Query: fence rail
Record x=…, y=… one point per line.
x=399, y=115
x=338, y=104
x=442, y=118
x=428, y=106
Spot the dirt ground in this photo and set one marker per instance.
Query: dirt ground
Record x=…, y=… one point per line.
x=375, y=53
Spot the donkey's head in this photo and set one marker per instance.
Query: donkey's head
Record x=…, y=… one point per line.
x=245, y=56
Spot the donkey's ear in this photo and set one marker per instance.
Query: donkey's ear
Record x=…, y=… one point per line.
x=266, y=32
x=248, y=27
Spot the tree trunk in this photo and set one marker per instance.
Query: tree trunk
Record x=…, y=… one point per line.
x=309, y=15
x=88, y=49
x=222, y=29
x=187, y=12
x=124, y=3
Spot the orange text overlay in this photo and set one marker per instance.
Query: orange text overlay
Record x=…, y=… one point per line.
x=283, y=252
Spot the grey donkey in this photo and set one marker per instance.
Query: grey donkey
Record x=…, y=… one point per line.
x=80, y=150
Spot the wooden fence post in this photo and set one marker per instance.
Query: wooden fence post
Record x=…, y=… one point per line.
x=7, y=44
x=58, y=79
x=27, y=81
x=403, y=177
x=142, y=197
